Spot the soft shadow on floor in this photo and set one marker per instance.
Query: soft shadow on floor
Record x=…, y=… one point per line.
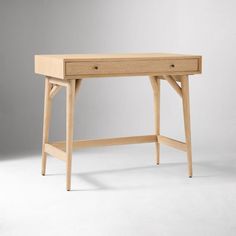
x=215, y=170
x=90, y=178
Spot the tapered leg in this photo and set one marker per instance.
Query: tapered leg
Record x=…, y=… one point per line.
x=46, y=122
x=70, y=100
x=155, y=82
x=187, y=126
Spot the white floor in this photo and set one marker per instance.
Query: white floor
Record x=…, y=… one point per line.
x=119, y=191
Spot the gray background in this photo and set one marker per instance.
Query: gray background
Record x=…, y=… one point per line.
x=121, y=106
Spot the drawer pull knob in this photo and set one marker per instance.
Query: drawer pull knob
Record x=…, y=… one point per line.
x=172, y=65
x=95, y=67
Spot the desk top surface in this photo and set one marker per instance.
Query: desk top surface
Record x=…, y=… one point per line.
x=124, y=56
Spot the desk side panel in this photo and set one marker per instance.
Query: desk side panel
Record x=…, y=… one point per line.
x=49, y=66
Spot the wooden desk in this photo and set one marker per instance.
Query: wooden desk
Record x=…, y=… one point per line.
x=69, y=70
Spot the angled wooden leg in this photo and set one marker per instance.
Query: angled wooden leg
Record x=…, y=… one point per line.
x=55, y=89
x=46, y=122
x=186, y=110
x=70, y=100
x=155, y=82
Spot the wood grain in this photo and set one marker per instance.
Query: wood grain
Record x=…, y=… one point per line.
x=173, y=84
x=172, y=143
x=70, y=102
x=69, y=70
x=187, y=126
x=109, y=141
x=105, y=65
x=55, y=152
x=155, y=82
x=46, y=122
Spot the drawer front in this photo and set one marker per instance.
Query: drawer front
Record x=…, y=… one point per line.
x=130, y=67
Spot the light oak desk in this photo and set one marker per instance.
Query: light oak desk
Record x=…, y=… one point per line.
x=69, y=70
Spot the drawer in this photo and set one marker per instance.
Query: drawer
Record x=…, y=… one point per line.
x=134, y=67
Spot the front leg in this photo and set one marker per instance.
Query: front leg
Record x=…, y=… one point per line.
x=186, y=110
x=46, y=122
x=70, y=101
